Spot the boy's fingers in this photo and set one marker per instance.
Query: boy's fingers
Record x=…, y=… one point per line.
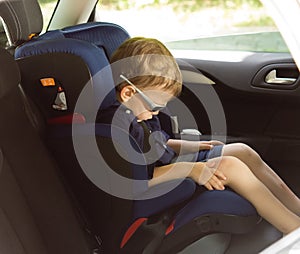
x=220, y=175
x=205, y=146
x=216, y=183
x=208, y=186
x=206, y=175
x=216, y=142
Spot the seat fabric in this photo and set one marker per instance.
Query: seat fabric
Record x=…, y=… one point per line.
x=36, y=213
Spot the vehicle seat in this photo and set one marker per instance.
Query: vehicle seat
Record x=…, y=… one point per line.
x=50, y=55
x=37, y=215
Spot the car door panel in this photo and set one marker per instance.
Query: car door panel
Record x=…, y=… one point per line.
x=250, y=69
x=262, y=115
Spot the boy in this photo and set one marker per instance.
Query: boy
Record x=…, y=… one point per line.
x=149, y=79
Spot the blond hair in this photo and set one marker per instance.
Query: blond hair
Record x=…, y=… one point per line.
x=148, y=63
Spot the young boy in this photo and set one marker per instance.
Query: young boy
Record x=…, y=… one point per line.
x=149, y=78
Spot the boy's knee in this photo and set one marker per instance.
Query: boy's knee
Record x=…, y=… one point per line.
x=231, y=161
x=246, y=151
x=243, y=147
x=235, y=170
x=226, y=162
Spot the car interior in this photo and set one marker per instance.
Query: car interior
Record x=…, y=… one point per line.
x=49, y=204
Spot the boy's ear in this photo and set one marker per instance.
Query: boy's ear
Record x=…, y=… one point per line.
x=126, y=93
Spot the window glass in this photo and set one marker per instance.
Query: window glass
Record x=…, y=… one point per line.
x=197, y=25
x=47, y=7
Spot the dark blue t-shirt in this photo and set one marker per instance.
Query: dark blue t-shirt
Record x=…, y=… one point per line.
x=148, y=134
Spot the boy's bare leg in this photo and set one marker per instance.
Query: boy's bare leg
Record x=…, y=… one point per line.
x=243, y=181
x=265, y=174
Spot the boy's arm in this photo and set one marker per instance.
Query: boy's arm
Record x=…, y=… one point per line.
x=186, y=146
x=201, y=172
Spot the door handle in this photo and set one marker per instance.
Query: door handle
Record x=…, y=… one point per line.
x=272, y=78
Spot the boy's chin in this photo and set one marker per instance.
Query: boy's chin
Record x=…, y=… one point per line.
x=144, y=116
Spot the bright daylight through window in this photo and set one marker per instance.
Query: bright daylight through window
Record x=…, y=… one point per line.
x=197, y=25
x=189, y=25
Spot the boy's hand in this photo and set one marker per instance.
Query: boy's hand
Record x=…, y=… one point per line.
x=216, y=142
x=207, y=145
x=211, y=177
x=215, y=182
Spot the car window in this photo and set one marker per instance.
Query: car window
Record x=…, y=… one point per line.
x=197, y=25
x=47, y=7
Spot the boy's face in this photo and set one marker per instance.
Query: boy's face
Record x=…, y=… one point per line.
x=146, y=103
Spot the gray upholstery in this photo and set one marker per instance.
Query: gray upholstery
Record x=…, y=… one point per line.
x=36, y=213
x=22, y=18
x=10, y=75
x=18, y=231
x=216, y=243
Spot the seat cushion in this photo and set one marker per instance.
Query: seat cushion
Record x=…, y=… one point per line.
x=214, y=202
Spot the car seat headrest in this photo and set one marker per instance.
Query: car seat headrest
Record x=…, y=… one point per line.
x=22, y=19
x=9, y=73
x=108, y=36
x=93, y=56
x=93, y=42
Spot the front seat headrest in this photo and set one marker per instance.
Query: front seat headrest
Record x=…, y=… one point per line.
x=21, y=18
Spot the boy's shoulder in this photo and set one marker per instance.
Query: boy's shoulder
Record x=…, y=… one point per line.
x=116, y=114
